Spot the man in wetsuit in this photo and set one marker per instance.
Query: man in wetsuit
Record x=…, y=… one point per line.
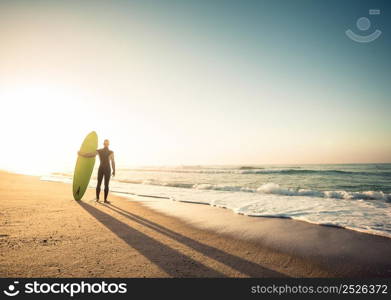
x=104, y=172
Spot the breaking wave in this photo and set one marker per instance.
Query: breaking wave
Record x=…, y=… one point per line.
x=276, y=189
x=273, y=188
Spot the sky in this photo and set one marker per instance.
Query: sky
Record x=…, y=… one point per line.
x=193, y=82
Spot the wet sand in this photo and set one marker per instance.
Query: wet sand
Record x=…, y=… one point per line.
x=45, y=233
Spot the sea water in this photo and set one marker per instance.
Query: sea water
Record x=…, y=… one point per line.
x=354, y=196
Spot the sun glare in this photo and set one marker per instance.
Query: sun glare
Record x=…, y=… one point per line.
x=41, y=122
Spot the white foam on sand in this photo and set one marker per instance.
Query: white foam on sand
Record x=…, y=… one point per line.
x=335, y=248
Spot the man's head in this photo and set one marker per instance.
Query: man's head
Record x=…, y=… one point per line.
x=106, y=143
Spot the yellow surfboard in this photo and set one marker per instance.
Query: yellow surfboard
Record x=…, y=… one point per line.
x=84, y=166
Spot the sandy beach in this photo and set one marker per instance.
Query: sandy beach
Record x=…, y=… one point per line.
x=45, y=233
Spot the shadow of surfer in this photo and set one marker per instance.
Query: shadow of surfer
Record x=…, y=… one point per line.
x=106, y=157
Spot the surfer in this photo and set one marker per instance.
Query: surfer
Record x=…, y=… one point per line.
x=104, y=172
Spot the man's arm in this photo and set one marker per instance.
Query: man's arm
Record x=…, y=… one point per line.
x=112, y=162
x=87, y=155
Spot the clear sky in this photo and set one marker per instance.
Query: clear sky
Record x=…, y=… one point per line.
x=194, y=82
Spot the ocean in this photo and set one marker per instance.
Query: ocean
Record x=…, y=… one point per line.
x=354, y=196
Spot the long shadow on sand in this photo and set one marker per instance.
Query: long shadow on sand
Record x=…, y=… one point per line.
x=173, y=263
x=242, y=265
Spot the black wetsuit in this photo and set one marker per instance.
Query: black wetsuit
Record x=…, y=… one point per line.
x=104, y=170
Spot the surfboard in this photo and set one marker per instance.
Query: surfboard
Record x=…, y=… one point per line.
x=84, y=166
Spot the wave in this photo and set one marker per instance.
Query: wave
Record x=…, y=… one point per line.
x=273, y=188
x=309, y=171
x=248, y=168
x=267, y=188
x=253, y=170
